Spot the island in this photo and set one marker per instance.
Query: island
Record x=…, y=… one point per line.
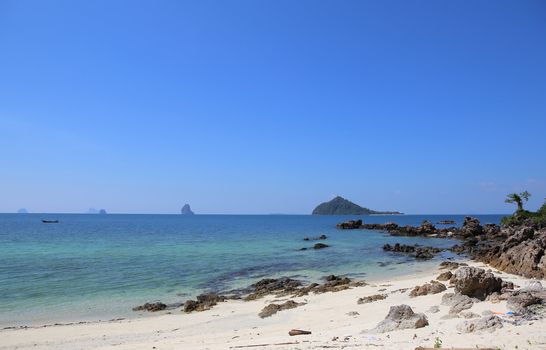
x=186, y=210
x=342, y=206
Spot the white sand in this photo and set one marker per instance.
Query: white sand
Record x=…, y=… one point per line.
x=235, y=323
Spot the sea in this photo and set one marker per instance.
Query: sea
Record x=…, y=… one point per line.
x=98, y=267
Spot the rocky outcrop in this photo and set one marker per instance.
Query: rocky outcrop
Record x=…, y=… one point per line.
x=204, y=302
x=350, y=225
x=371, y=298
x=433, y=287
x=519, y=250
x=276, y=286
x=451, y=265
x=151, y=307
x=416, y=251
x=320, y=246
x=186, y=210
x=487, y=323
x=471, y=228
x=319, y=238
x=445, y=276
x=272, y=309
x=475, y=282
x=401, y=317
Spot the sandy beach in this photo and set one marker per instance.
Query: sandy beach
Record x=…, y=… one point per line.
x=335, y=320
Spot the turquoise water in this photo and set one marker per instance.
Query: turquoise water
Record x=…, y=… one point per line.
x=91, y=267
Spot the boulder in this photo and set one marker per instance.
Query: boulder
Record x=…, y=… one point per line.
x=272, y=309
x=278, y=286
x=401, y=317
x=488, y=323
x=457, y=302
x=471, y=228
x=519, y=301
x=320, y=246
x=350, y=225
x=445, y=276
x=434, y=287
x=475, y=282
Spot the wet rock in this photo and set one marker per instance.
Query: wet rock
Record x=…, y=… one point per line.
x=416, y=251
x=319, y=238
x=277, y=286
x=401, y=317
x=433, y=287
x=320, y=246
x=151, y=307
x=204, y=302
x=445, y=276
x=371, y=298
x=521, y=300
x=487, y=323
x=475, y=282
x=350, y=225
x=457, y=302
x=451, y=265
x=272, y=309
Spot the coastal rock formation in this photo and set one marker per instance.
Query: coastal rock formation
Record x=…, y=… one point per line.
x=451, y=265
x=475, y=282
x=519, y=250
x=272, y=309
x=350, y=225
x=433, y=287
x=416, y=251
x=401, y=317
x=342, y=206
x=520, y=300
x=151, y=307
x=277, y=286
x=204, y=302
x=320, y=246
x=319, y=238
x=471, y=228
x=489, y=323
x=22, y=211
x=186, y=210
x=371, y=298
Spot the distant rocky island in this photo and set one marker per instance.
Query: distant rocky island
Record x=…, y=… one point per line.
x=186, y=210
x=95, y=211
x=22, y=211
x=342, y=206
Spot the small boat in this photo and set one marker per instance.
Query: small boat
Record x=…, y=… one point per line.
x=50, y=221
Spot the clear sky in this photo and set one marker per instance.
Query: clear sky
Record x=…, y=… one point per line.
x=271, y=106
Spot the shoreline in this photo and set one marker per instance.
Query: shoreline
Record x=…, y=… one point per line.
x=335, y=319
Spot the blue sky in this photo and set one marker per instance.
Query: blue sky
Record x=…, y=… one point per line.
x=271, y=106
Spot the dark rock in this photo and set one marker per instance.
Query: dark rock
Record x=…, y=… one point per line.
x=433, y=287
x=445, y=276
x=279, y=286
x=451, y=265
x=272, y=309
x=151, y=307
x=319, y=238
x=371, y=298
x=320, y=246
x=475, y=282
x=401, y=317
x=446, y=222
x=204, y=302
x=471, y=228
x=350, y=225
x=418, y=252
x=519, y=301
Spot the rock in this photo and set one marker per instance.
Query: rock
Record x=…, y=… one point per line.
x=516, y=249
x=186, y=210
x=352, y=313
x=434, y=309
x=446, y=222
x=519, y=301
x=445, y=276
x=471, y=228
x=204, y=302
x=320, y=246
x=102, y=211
x=451, y=265
x=533, y=286
x=458, y=302
x=319, y=238
x=151, y=307
x=294, y=332
x=469, y=314
x=279, y=286
x=433, y=287
x=475, y=282
x=371, y=298
x=416, y=251
x=272, y=309
x=401, y=317
x=350, y=225
x=489, y=323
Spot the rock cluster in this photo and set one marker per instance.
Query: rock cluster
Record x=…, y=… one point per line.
x=416, y=251
x=204, y=302
x=272, y=309
x=371, y=298
x=433, y=287
x=277, y=286
x=151, y=307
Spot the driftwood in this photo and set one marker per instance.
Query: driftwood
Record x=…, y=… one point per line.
x=298, y=332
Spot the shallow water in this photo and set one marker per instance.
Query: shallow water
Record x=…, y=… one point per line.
x=91, y=267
